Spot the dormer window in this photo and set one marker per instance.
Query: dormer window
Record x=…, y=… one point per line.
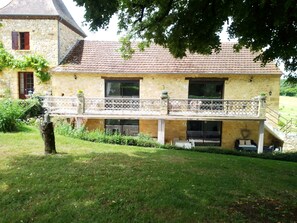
x=20, y=40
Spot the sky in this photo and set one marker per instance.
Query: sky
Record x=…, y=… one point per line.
x=110, y=34
x=78, y=15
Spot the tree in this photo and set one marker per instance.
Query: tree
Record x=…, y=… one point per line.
x=265, y=26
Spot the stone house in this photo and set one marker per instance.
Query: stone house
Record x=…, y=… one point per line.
x=33, y=27
x=210, y=100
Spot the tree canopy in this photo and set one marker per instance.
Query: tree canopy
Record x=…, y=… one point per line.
x=265, y=26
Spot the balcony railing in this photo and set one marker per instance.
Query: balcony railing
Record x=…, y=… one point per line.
x=136, y=107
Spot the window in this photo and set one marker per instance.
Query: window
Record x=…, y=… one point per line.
x=205, y=133
x=206, y=89
x=124, y=127
x=20, y=41
x=122, y=88
x=26, y=84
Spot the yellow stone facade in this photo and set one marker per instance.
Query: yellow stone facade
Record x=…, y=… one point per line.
x=236, y=87
x=67, y=40
x=48, y=37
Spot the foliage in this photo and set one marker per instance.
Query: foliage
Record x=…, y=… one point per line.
x=13, y=111
x=35, y=62
x=267, y=27
x=92, y=182
x=288, y=88
x=103, y=137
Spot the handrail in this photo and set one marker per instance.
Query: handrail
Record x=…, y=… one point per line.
x=279, y=121
x=152, y=107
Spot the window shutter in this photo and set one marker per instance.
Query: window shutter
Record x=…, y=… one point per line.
x=27, y=41
x=15, y=40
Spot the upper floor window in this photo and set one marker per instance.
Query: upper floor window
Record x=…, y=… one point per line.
x=122, y=88
x=20, y=40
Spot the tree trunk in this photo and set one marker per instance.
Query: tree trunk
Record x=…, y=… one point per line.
x=48, y=136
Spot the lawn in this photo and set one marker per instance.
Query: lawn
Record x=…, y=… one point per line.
x=91, y=182
x=288, y=108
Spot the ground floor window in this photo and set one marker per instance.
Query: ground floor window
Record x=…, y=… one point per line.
x=26, y=84
x=122, y=126
x=205, y=133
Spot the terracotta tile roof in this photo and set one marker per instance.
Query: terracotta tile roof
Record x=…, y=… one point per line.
x=30, y=9
x=103, y=57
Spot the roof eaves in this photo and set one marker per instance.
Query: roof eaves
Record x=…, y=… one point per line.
x=57, y=70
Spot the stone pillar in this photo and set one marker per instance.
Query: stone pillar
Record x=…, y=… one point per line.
x=80, y=103
x=261, y=137
x=161, y=131
x=79, y=122
x=262, y=106
x=164, y=103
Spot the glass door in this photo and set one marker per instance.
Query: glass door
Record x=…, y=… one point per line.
x=26, y=84
x=205, y=133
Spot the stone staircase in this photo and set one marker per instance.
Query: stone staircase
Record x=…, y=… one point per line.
x=281, y=128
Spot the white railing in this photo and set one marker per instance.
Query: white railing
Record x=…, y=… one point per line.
x=129, y=106
x=152, y=107
x=214, y=107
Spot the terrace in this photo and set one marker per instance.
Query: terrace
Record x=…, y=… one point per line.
x=81, y=107
x=168, y=109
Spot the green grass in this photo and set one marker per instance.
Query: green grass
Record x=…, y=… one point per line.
x=92, y=182
x=288, y=109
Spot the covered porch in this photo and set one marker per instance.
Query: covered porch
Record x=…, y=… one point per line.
x=159, y=109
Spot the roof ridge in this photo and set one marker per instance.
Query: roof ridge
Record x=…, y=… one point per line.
x=27, y=9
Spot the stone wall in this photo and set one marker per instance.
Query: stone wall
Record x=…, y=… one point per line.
x=44, y=40
x=93, y=124
x=149, y=127
x=9, y=83
x=67, y=39
x=43, y=37
x=69, y=83
x=236, y=87
x=232, y=130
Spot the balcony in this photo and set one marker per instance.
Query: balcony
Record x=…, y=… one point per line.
x=170, y=109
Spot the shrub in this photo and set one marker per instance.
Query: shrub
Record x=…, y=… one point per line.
x=66, y=129
x=34, y=108
x=12, y=112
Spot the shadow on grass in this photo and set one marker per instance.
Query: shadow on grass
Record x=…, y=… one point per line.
x=144, y=187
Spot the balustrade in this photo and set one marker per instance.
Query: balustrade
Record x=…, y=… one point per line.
x=153, y=107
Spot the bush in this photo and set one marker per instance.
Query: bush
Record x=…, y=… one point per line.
x=12, y=112
x=66, y=129
x=34, y=108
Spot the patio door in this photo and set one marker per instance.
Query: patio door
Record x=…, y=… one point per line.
x=122, y=95
x=26, y=84
x=206, y=89
x=205, y=133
